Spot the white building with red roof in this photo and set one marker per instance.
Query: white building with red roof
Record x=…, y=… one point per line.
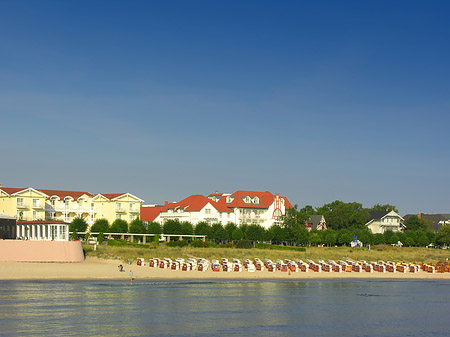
x=241, y=207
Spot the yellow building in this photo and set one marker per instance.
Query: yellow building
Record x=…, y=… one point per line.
x=37, y=204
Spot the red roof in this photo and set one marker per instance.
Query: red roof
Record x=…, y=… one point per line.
x=63, y=194
x=265, y=199
x=112, y=196
x=193, y=203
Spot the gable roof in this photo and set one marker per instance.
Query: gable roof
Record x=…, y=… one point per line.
x=63, y=194
x=376, y=215
x=315, y=219
x=114, y=196
x=12, y=190
x=265, y=199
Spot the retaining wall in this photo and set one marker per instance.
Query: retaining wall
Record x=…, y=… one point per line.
x=41, y=251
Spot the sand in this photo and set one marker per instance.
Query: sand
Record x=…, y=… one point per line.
x=97, y=269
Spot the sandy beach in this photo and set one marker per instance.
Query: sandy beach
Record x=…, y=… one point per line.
x=97, y=269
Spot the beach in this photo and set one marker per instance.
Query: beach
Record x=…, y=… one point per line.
x=102, y=269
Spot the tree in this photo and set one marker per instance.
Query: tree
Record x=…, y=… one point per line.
x=329, y=237
x=137, y=227
x=218, y=233
x=277, y=233
x=387, y=236
x=302, y=236
x=345, y=215
x=172, y=227
x=293, y=220
x=382, y=208
x=203, y=228
x=255, y=232
x=415, y=223
x=187, y=228
x=378, y=239
x=154, y=228
x=314, y=238
x=78, y=225
x=237, y=234
x=230, y=228
x=100, y=226
x=443, y=235
x=344, y=237
x=394, y=239
x=422, y=238
x=308, y=209
x=119, y=226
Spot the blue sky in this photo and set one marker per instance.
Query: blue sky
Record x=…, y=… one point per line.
x=315, y=100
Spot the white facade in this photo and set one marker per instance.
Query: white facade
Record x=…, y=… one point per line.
x=390, y=221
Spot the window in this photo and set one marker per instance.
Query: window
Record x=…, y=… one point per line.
x=36, y=203
x=207, y=211
x=247, y=200
x=132, y=206
x=20, y=202
x=118, y=216
x=277, y=213
x=256, y=200
x=35, y=214
x=118, y=206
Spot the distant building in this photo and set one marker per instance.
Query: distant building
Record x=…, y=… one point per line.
x=316, y=222
x=381, y=221
x=43, y=230
x=437, y=220
x=29, y=204
x=241, y=207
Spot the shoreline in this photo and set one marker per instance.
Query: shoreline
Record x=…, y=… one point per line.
x=94, y=269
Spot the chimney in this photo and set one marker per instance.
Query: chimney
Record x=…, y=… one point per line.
x=166, y=203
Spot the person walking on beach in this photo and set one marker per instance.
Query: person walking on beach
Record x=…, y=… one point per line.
x=131, y=277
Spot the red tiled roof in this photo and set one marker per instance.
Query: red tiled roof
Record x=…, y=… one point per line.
x=265, y=199
x=63, y=194
x=149, y=213
x=193, y=203
x=12, y=190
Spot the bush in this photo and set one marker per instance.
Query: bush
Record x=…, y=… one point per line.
x=245, y=244
x=100, y=238
x=278, y=247
x=199, y=244
x=120, y=242
x=179, y=243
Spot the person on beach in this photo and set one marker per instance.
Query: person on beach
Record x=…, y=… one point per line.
x=131, y=276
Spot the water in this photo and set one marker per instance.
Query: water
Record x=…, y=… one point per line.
x=226, y=308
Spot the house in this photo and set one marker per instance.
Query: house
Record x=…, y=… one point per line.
x=250, y=207
x=436, y=220
x=316, y=222
x=381, y=221
x=194, y=209
x=30, y=204
x=240, y=207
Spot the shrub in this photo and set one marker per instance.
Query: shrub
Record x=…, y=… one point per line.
x=100, y=238
x=278, y=247
x=179, y=243
x=246, y=244
x=120, y=242
x=199, y=244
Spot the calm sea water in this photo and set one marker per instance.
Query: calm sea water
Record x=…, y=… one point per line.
x=226, y=308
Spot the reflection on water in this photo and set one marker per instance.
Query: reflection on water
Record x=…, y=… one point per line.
x=263, y=308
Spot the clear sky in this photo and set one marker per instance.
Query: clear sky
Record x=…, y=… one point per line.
x=315, y=100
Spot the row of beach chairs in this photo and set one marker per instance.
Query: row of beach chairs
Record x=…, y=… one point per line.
x=341, y=266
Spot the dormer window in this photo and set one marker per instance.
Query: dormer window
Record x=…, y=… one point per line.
x=256, y=200
x=247, y=200
x=230, y=199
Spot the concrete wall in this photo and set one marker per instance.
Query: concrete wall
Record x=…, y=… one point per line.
x=41, y=251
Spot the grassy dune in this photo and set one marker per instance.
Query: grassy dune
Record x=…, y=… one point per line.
x=382, y=252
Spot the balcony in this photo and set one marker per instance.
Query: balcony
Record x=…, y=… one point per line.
x=70, y=209
x=37, y=206
x=120, y=210
x=22, y=205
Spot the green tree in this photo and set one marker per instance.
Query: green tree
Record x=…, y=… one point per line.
x=100, y=225
x=203, y=228
x=292, y=221
x=410, y=238
x=237, y=234
x=78, y=225
x=382, y=208
x=255, y=232
x=329, y=237
x=230, y=228
x=394, y=239
x=314, y=238
x=302, y=236
x=218, y=233
x=172, y=226
x=422, y=238
x=345, y=215
x=443, y=235
x=344, y=237
x=119, y=226
x=378, y=239
x=278, y=234
x=308, y=209
x=137, y=227
x=387, y=237
x=415, y=223
x=154, y=228
x=187, y=228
